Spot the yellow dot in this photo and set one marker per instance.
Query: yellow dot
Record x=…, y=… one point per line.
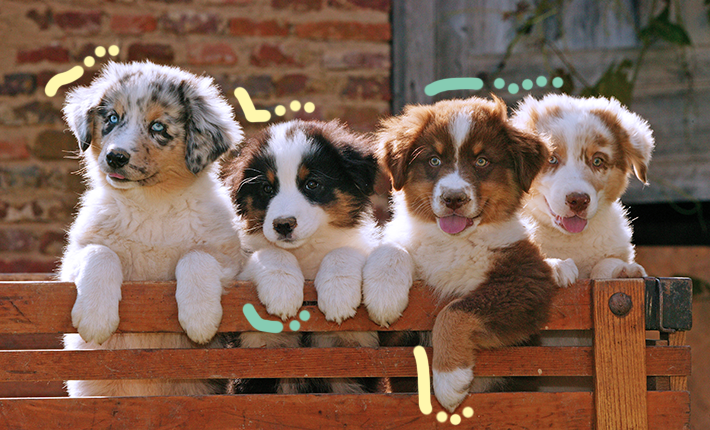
x=455, y=419
x=468, y=412
x=295, y=105
x=441, y=417
x=113, y=50
x=100, y=51
x=280, y=110
x=89, y=61
x=309, y=107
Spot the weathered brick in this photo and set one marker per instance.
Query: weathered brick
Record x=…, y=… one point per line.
x=190, y=23
x=297, y=5
x=53, y=54
x=26, y=265
x=13, y=149
x=42, y=210
x=18, y=83
x=335, y=30
x=52, y=243
x=37, y=113
x=211, y=54
x=44, y=76
x=17, y=240
x=356, y=60
x=155, y=52
x=293, y=84
x=367, y=88
x=42, y=19
x=271, y=55
x=381, y=5
x=362, y=118
x=133, y=24
x=20, y=176
x=250, y=27
x=54, y=145
x=76, y=22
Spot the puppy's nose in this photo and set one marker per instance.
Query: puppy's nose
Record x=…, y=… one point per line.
x=284, y=226
x=117, y=158
x=454, y=199
x=578, y=202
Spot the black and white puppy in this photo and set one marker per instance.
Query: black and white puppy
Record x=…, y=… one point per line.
x=302, y=190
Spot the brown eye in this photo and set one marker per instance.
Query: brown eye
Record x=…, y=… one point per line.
x=482, y=162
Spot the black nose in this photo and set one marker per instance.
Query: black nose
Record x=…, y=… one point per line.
x=578, y=202
x=454, y=199
x=284, y=226
x=117, y=158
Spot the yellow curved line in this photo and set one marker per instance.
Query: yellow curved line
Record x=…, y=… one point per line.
x=423, y=380
x=250, y=111
x=63, y=78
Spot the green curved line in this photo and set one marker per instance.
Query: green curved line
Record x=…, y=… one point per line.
x=450, y=84
x=261, y=324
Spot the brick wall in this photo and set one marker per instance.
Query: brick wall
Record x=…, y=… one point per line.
x=334, y=53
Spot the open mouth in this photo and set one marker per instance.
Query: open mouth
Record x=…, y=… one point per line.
x=571, y=224
x=454, y=224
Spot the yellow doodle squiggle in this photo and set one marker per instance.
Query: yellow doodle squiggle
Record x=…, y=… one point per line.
x=63, y=78
x=423, y=380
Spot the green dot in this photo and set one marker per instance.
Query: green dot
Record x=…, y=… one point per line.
x=527, y=85
x=499, y=83
x=294, y=325
x=557, y=82
x=304, y=315
x=513, y=88
x=541, y=81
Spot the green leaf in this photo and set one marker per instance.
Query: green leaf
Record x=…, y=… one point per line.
x=660, y=27
x=613, y=83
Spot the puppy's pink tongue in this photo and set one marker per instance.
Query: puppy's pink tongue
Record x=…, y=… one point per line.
x=453, y=224
x=574, y=224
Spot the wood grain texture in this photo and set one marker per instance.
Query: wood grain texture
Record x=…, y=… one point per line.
x=52, y=365
x=570, y=411
x=678, y=383
x=619, y=358
x=45, y=307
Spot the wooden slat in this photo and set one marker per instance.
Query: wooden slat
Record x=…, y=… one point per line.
x=678, y=383
x=571, y=411
x=32, y=389
x=51, y=365
x=45, y=307
x=619, y=361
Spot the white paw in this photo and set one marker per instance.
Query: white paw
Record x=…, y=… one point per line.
x=96, y=318
x=564, y=272
x=628, y=270
x=339, y=284
x=451, y=388
x=387, y=279
x=200, y=320
x=281, y=293
x=198, y=295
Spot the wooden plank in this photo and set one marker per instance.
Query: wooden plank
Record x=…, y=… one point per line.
x=45, y=307
x=32, y=389
x=619, y=359
x=668, y=410
x=51, y=365
x=678, y=383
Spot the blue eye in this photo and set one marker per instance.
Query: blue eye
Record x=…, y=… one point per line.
x=113, y=119
x=157, y=127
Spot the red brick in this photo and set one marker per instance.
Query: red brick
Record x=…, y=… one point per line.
x=290, y=85
x=381, y=5
x=362, y=118
x=271, y=55
x=249, y=27
x=79, y=22
x=25, y=265
x=43, y=20
x=18, y=83
x=52, y=243
x=53, y=54
x=155, y=52
x=367, y=88
x=44, y=76
x=190, y=23
x=54, y=145
x=356, y=60
x=36, y=112
x=211, y=54
x=17, y=240
x=335, y=30
x=133, y=24
x=15, y=149
x=297, y=5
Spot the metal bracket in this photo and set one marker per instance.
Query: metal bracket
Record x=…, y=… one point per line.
x=669, y=304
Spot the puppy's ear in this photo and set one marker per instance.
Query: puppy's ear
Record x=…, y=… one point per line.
x=79, y=112
x=361, y=164
x=210, y=128
x=529, y=153
x=396, y=141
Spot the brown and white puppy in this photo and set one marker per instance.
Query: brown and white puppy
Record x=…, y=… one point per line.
x=154, y=210
x=596, y=143
x=459, y=171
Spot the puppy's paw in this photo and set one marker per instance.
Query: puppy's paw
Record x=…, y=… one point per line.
x=564, y=272
x=339, y=284
x=281, y=293
x=451, y=388
x=387, y=278
x=96, y=319
x=198, y=295
x=200, y=320
x=628, y=270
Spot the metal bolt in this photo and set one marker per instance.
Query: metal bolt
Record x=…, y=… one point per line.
x=620, y=304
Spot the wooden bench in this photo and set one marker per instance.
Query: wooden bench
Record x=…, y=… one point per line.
x=622, y=362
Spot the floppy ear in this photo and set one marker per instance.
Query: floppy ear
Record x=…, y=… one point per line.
x=639, y=146
x=361, y=164
x=396, y=138
x=210, y=128
x=529, y=154
x=79, y=111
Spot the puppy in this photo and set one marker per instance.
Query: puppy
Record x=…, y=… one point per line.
x=459, y=171
x=302, y=190
x=574, y=203
x=154, y=210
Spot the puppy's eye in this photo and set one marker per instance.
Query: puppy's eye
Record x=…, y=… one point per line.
x=553, y=159
x=268, y=189
x=435, y=161
x=312, y=184
x=598, y=162
x=482, y=162
x=157, y=127
x=113, y=119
